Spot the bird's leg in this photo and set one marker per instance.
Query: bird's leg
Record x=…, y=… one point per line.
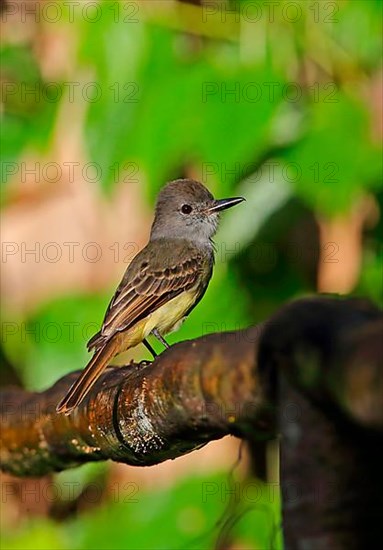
x=160, y=338
x=149, y=347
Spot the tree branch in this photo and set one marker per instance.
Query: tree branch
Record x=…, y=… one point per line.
x=313, y=373
x=195, y=392
x=322, y=360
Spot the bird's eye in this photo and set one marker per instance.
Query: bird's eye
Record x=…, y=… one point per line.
x=186, y=209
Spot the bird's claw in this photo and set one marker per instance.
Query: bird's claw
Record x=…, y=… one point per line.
x=144, y=363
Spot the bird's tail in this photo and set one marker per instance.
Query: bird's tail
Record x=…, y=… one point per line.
x=87, y=378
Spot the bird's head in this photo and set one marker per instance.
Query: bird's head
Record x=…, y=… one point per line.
x=186, y=209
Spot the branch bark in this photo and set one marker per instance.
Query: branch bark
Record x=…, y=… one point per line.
x=323, y=362
x=195, y=392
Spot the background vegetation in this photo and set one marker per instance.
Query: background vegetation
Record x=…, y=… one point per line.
x=104, y=102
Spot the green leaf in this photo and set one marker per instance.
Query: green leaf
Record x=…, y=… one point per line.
x=29, y=109
x=113, y=49
x=52, y=341
x=335, y=162
x=207, y=111
x=182, y=516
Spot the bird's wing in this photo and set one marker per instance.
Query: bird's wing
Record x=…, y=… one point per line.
x=149, y=289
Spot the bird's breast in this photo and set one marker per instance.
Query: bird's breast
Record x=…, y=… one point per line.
x=170, y=316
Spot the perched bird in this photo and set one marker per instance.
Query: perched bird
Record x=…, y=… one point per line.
x=162, y=284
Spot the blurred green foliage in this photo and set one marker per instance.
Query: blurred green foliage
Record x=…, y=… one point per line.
x=190, y=515
x=174, y=97
x=25, y=122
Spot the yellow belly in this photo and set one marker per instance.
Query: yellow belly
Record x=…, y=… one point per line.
x=165, y=319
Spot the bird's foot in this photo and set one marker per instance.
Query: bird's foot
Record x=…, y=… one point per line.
x=139, y=364
x=144, y=363
x=160, y=338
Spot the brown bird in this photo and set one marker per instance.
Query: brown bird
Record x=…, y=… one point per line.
x=162, y=284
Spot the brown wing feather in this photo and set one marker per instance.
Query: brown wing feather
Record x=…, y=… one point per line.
x=148, y=290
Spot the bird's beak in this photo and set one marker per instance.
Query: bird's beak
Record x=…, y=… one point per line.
x=223, y=204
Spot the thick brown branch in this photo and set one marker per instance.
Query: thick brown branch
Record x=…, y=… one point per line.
x=323, y=361
x=193, y=393
x=316, y=367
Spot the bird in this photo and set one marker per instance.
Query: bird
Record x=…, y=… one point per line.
x=162, y=284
